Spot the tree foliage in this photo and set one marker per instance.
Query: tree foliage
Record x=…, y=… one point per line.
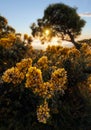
x=5, y=28
x=63, y=19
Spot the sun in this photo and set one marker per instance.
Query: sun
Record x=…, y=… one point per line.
x=47, y=32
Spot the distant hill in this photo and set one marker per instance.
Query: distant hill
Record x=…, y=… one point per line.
x=88, y=41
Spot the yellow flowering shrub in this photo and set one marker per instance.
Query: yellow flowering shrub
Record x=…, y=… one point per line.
x=53, y=49
x=13, y=75
x=5, y=42
x=8, y=41
x=43, y=112
x=33, y=79
x=59, y=79
x=24, y=65
x=84, y=48
x=17, y=74
x=43, y=63
x=12, y=37
x=46, y=90
x=85, y=88
x=73, y=54
x=57, y=55
x=86, y=54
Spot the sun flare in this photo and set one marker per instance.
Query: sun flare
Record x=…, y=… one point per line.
x=47, y=32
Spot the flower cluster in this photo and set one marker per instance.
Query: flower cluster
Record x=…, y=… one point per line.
x=8, y=41
x=43, y=112
x=5, y=42
x=73, y=54
x=17, y=74
x=24, y=65
x=46, y=90
x=13, y=75
x=33, y=79
x=35, y=82
x=53, y=49
x=43, y=62
x=59, y=79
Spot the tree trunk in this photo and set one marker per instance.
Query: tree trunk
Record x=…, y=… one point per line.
x=73, y=41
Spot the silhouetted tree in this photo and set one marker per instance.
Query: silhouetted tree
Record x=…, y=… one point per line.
x=62, y=19
x=5, y=28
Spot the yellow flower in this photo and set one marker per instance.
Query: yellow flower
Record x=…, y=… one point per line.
x=43, y=112
x=17, y=74
x=59, y=79
x=24, y=65
x=8, y=41
x=33, y=78
x=73, y=53
x=46, y=90
x=13, y=75
x=43, y=62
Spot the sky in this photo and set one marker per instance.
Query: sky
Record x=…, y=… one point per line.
x=22, y=13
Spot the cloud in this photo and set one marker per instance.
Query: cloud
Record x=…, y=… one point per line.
x=85, y=14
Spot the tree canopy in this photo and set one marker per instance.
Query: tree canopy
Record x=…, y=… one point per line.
x=62, y=19
x=5, y=28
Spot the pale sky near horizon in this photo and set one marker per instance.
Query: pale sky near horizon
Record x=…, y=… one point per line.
x=22, y=13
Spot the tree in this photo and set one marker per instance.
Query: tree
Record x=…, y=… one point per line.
x=63, y=19
x=5, y=28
